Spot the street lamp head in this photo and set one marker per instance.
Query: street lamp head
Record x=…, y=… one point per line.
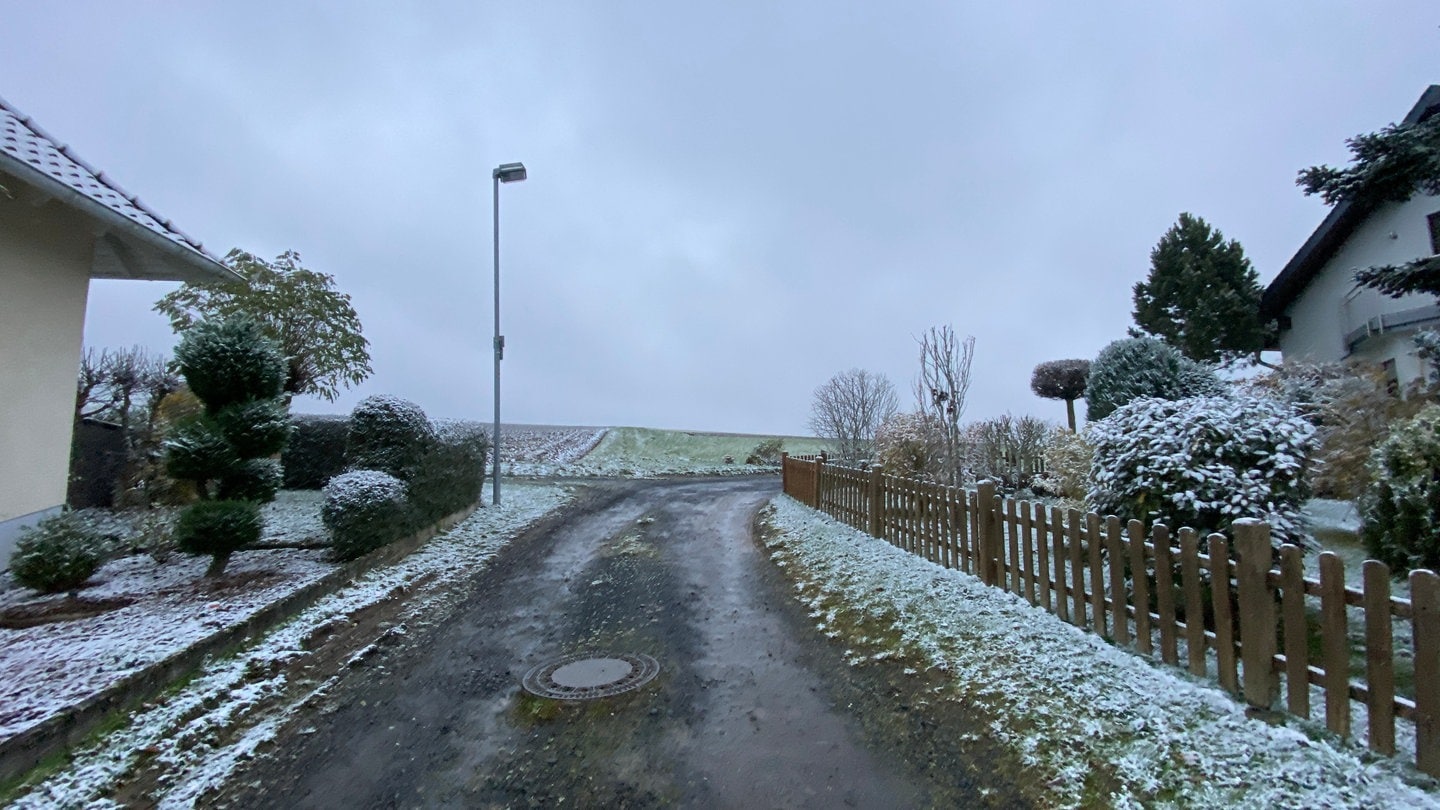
x=509, y=172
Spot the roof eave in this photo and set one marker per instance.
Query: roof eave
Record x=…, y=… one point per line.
x=186, y=264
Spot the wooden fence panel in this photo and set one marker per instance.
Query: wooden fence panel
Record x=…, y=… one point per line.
x=1140, y=583
x=1042, y=554
x=1194, y=604
x=1077, y=568
x=1115, y=551
x=1221, y=595
x=1425, y=625
x=1012, y=535
x=1027, y=552
x=1335, y=643
x=1379, y=658
x=1097, y=573
x=1165, y=594
x=1057, y=533
x=1295, y=629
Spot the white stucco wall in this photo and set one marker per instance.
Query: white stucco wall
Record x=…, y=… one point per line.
x=1326, y=310
x=45, y=259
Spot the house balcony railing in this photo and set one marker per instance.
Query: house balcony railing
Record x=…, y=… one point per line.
x=1391, y=321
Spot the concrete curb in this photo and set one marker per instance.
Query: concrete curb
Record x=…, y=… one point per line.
x=24, y=751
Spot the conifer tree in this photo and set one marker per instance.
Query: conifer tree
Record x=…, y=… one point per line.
x=1202, y=295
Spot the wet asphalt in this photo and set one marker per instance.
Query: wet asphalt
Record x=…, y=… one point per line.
x=752, y=708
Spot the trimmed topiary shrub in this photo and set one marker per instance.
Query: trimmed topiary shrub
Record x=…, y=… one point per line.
x=316, y=450
x=1401, y=507
x=57, y=554
x=1203, y=462
x=364, y=510
x=1133, y=368
x=237, y=373
x=230, y=361
x=388, y=434
x=217, y=528
x=449, y=477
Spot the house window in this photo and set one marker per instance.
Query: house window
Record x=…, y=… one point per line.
x=1434, y=232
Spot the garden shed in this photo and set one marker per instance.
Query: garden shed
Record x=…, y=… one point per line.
x=62, y=223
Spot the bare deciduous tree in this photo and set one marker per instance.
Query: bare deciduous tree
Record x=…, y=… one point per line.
x=941, y=388
x=849, y=408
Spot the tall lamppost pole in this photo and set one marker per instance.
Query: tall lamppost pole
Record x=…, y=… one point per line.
x=504, y=173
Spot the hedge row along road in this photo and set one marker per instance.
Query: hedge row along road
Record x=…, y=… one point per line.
x=752, y=707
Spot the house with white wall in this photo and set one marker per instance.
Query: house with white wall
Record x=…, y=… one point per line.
x=1323, y=316
x=62, y=223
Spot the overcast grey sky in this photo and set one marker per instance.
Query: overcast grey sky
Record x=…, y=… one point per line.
x=726, y=205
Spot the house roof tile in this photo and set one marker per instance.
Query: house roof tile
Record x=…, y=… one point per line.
x=26, y=149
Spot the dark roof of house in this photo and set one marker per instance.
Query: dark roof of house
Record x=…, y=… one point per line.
x=1332, y=233
x=30, y=154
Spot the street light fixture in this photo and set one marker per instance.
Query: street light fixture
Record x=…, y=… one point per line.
x=504, y=173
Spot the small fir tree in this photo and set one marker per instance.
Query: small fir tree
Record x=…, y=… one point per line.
x=238, y=374
x=1061, y=379
x=1202, y=295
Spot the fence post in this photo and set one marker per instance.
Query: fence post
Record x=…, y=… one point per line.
x=1257, y=612
x=1425, y=601
x=785, y=473
x=819, y=468
x=985, y=516
x=877, y=500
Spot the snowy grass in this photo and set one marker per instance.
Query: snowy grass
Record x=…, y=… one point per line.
x=646, y=452
x=221, y=716
x=1094, y=724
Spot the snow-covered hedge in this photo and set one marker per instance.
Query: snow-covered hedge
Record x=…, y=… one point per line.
x=1401, y=508
x=316, y=451
x=364, y=510
x=1134, y=368
x=909, y=444
x=1203, y=462
x=390, y=434
x=449, y=476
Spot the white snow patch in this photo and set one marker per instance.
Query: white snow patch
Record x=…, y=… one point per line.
x=1063, y=698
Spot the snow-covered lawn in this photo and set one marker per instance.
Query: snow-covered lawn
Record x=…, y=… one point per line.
x=45, y=668
x=1066, y=701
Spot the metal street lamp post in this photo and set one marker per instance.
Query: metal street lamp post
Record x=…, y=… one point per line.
x=504, y=173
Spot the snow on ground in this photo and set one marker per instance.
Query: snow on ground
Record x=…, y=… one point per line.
x=47, y=667
x=628, y=452
x=182, y=731
x=1067, y=701
x=542, y=452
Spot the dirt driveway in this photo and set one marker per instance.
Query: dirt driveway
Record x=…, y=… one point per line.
x=752, y=707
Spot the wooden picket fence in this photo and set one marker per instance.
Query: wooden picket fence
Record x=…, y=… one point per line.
x=1264, y=621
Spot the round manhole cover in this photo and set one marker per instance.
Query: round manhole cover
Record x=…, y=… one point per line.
x=588, y=675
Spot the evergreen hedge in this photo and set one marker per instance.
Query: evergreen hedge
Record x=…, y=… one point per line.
x=316, y=452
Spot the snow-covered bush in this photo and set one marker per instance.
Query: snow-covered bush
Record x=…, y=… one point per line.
x=218, y=528
x=1203, y=462
x=766, y=452
x=230, y=361
x=1401, y=508
x=1133, y=368
x=364, y=510
x=1006, y=449
x=390, y=434
x=316, y=450
x=909, y=444
x=449, y=477
x=1068, y=456
x=57, y=554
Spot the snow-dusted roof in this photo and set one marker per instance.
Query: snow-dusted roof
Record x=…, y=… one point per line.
x=33, y=156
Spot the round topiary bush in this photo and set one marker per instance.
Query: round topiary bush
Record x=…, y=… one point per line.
x=256, y=427
x=364, y=510
x=1203, y=462
x=229, y=361
x=1133, y=368
x=449, y=477
x=217, y=528
x=255, y=479
x=388, y=434
x=57, y=554
x=1401, y=506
